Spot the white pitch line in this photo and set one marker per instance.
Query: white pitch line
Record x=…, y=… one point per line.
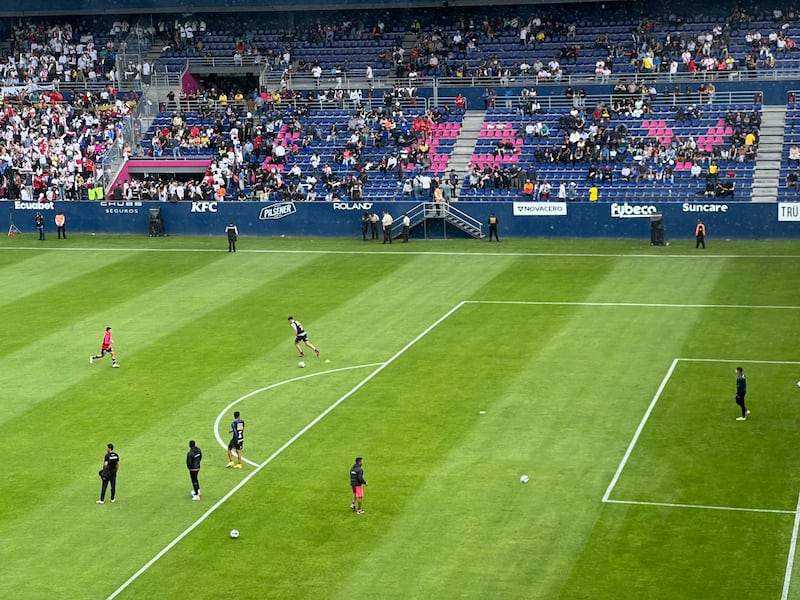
x=704, y=506
x=632, y=304
x=639, y=430
x=277, y=453
x=787, y=578
x=742, y=360
x=703, y=257
x=269, y=387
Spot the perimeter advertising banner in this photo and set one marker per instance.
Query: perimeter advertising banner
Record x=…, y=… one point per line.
x=734, y=220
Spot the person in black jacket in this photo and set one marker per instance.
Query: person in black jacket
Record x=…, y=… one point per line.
x=233, y=236
x=109, y=474
x=365, y=224
x=193, y=458
x=39, y=222
x=493, y=221
x=356, y=483
x=741, y=392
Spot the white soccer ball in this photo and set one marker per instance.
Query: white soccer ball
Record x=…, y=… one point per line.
x=524, y=479
x=301, y=364
x=798, y=384
x=234, y=533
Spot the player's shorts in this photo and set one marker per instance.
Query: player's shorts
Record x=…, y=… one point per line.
x=303, y=337
x=236, y=444
x=358, y=491
x=104, y=351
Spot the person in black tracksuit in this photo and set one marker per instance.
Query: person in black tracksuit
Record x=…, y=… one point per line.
x=109, y=474
x=193, y=458
x=741, y=392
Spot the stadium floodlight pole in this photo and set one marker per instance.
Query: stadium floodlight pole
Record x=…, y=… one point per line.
x=13, y=230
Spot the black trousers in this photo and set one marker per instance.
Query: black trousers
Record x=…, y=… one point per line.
x=231, y=245
x=113, y=483
x=701, y=241
x=62, y=231
x=493, y=231
x=387, y=234
x=405, y=233
x=740, y=402
x=195, y=483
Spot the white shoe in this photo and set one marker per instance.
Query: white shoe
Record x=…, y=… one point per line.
x=100, y=502
x=195, y=497
x=113, y=500
x=115, y=365
x=91, y=360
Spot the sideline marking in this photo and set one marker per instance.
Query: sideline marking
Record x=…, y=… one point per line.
x=269, y=387
x=421, y=253
x=277, y=453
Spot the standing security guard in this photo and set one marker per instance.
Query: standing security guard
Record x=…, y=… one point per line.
x=700, y=234
x=365, y=220
x=493, y=221
x=38, y=220
x=233, y=236
x=61, y=225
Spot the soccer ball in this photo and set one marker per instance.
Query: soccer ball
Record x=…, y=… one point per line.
x=234, y=533
x=524, y=479
x=798, y=384
x=301, y=364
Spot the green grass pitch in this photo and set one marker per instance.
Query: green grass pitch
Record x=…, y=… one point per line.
x=604, y=370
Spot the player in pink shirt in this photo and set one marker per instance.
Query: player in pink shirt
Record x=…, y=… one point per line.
x=106, y=348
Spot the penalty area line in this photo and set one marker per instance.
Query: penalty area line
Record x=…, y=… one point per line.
x=277, y=453
x=704, y=506
x=639, y=430
x=787, y=578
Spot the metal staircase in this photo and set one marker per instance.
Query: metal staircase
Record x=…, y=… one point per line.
x=426, y=213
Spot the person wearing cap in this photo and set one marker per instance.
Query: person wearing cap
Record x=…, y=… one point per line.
x=193, y=459
x=357, y=483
